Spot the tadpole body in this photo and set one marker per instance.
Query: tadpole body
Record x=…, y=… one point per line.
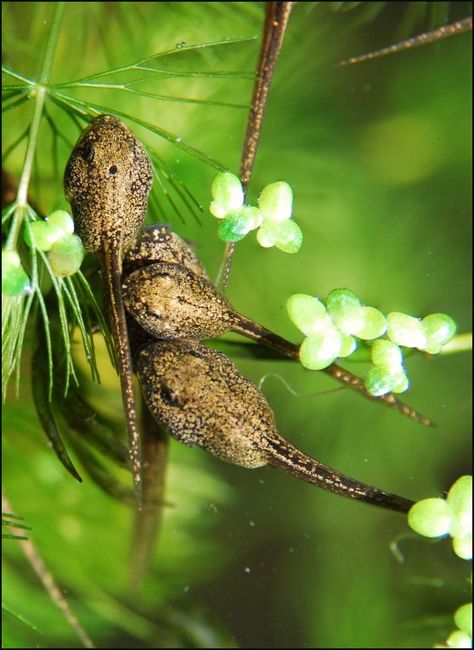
x=107, y=181
x=171, y=302
x=158, y=243
x=198, y=395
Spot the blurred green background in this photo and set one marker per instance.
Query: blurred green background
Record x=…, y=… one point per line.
x=379, y=158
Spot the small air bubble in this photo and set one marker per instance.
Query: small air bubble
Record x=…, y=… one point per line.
x=252, y=523
x=247, y=569
x=179, y=138
x=181, y=44
x=212, y=507
x=186, y=589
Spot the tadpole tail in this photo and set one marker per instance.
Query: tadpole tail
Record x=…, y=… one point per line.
x=112, y=268
x=249, y=328
x=284, y=455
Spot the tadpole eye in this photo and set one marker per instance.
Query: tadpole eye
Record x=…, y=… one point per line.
x=88, y=152
x=168, y=396
x=113, y=169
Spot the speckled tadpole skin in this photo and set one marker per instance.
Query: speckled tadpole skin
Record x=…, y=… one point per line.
x=107, y=181
x=158, y=243
x=199, y=396
x=170, y=302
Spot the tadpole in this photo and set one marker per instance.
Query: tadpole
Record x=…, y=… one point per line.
x=198, y=395
x=107, y=181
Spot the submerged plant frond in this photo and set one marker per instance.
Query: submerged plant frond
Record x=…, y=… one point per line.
x=75, y=304
x=19, y=617
x=10, y=520
x=95, y=109
x=165, y=176
x=41, y=569
x=182, y=49
x=16, y=75
x=164, y=98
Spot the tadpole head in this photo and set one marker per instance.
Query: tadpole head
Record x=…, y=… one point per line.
x=158, y=243
x=200, y=398
x=107, y=181
x=171, y=302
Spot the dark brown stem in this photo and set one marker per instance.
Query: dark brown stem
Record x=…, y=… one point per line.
x=444, y=31
x=148, y=520
x=276, y=20
x=247, y=327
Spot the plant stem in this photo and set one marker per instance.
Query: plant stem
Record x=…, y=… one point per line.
x=39, y=91
x=22, y=198
x=49, y=583
x=459, y=343
x=276, y=20
x=15, y=75
x=51, y=43
x=422, y=39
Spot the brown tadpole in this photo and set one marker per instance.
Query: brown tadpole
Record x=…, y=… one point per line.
x=158, y=243
x=107, y=181
x=198, y=395
x=171, y=301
